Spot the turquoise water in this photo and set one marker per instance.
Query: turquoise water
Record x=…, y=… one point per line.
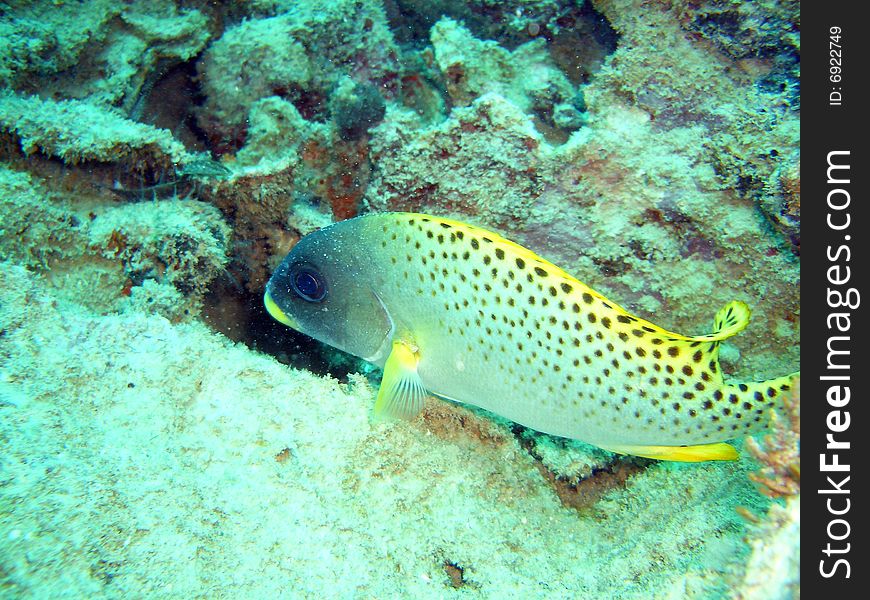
x=161, y=436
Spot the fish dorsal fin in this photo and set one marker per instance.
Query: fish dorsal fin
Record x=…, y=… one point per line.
x=729, y=321
x=401, y=393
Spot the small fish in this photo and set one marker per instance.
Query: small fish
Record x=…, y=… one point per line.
x=457, y=311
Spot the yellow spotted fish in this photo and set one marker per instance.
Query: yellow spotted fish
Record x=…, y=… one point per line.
x=460, y=312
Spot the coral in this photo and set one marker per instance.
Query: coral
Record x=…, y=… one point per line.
x=109, y=53
x=76, y=131
x=250, y=61
x=526, y=76
x=37, y=39
x=103, y=255
x=780, y=474
x=30, y=223
x=173, y=446
x=278, y=136
x=773, y=568
x=294, y=55
x=760, y=30
x=355, y=109
x=510, y=23
x=182, y=243
x=483, y=159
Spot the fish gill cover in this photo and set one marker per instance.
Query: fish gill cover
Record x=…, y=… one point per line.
x=159, y=159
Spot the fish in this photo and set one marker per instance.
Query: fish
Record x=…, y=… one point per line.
x=454, y=310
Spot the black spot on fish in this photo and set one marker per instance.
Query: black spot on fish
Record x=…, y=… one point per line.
x=587, y=298
x=592, y=318
x=733, y=399
x=541, y=272
x=687, y=370
x=743, y=387
x=697, y=356
x=673, y=351
x=474, y=243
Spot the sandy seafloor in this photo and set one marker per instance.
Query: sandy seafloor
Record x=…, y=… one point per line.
x=156, y=440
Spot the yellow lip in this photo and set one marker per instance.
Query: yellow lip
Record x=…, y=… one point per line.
x=277, y=313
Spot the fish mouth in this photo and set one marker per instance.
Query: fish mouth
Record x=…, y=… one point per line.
x=278, y=314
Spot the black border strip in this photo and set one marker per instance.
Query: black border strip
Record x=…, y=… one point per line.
x=834, y=243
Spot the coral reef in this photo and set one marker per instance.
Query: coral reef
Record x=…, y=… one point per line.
x=780, y=474
x=355, y=109
x=174, y=460
x=102, y=255
x=157, y=161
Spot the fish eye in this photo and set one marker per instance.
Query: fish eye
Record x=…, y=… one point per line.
x=307, y=283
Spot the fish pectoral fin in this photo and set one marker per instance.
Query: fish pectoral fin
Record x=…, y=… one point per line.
x=720, y=451
x=402, y=393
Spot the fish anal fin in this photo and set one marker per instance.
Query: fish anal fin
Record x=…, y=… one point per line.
x=402, y=392
x=700, y=453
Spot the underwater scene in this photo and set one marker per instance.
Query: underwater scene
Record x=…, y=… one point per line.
x=385, y=299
